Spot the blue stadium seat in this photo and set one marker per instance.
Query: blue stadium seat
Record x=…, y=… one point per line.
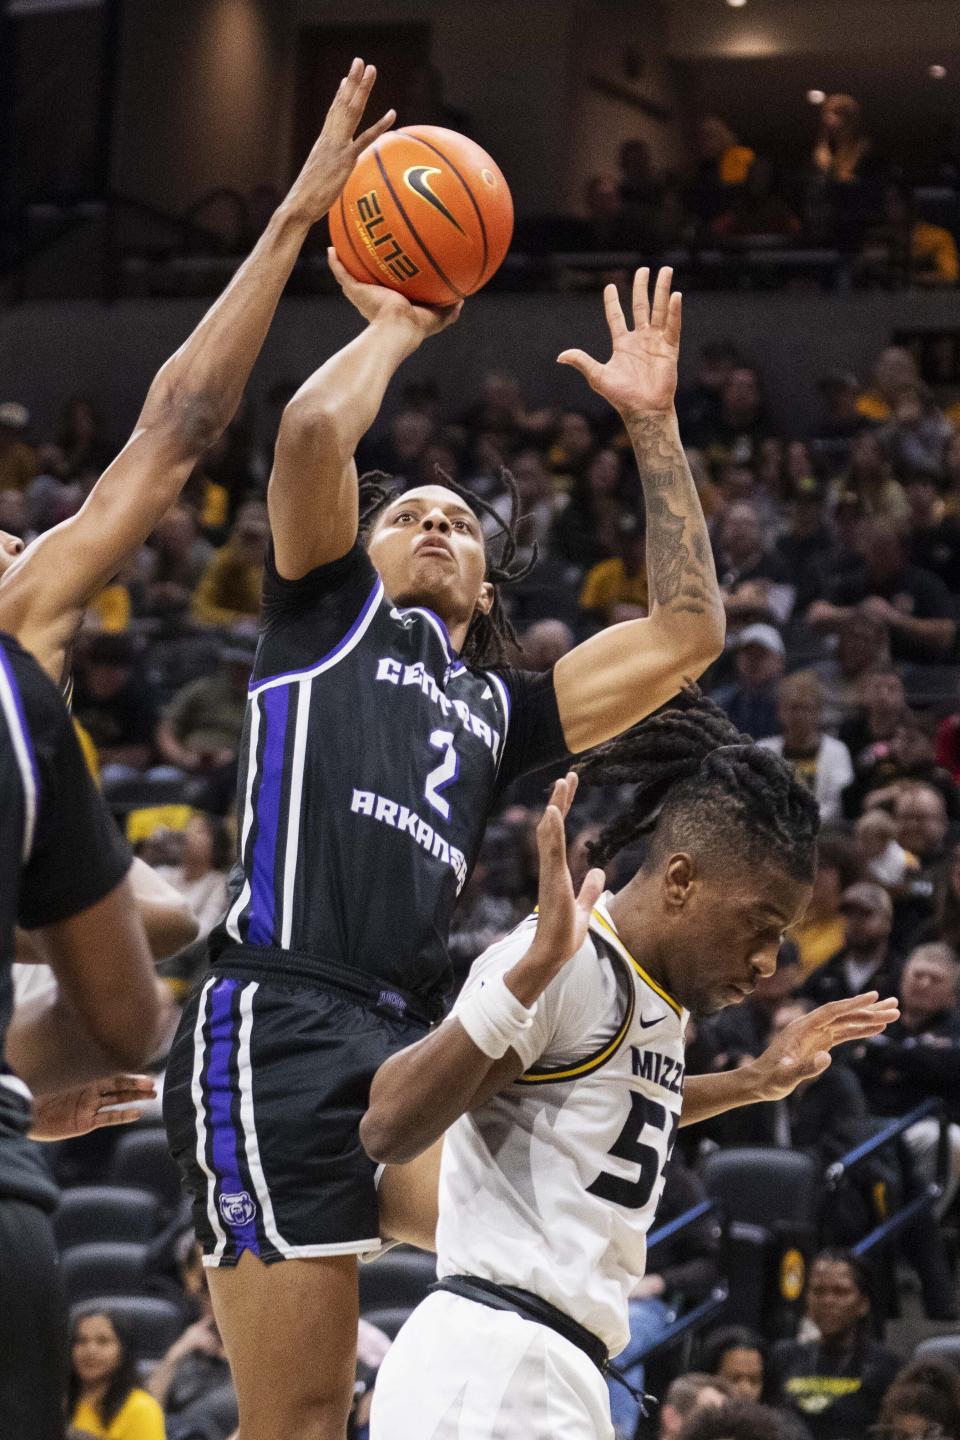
x=105, y=1212
x=103, y=1267
x=142, y=1159
x=399, y=1278
x=940, y=1347
x=389, y=1319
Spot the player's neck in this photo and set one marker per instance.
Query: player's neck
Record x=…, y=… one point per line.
x=631, y=909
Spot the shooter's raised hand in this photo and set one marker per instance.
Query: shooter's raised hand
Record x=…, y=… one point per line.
x=640, y=378
x=330, y=163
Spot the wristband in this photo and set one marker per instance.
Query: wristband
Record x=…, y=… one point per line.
x=493, y=1017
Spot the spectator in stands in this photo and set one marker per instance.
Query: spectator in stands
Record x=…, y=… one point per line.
x=103, y=1397
x=173, y=564
x=868, y=732
x=200, y=728
x=740, y=425
x=756, y=208
x=945, y=924
x=616, y=589
x=82, y=438
x=399, y=451
x=587, y=530
x=115, y=705
x=869, y=477
x=910, y=759
x=915, y=437
x=923, y=1403
x=680, y=1273
x=751, y=700
x=916, y=606
x=751, y=577
x=918, y=1057
x=18, y=460
x=844, y=171
x=821, y=933
x=538, y=499
x=573, y=449
x=195, y=1363
x=734, y=1420
x=895, y=368
x=821, y=761
x=806, y=550
x=835, y=1384
x=867, y=960
x=230, y=588
x=687, y=1395
x=650, y=205
x=606, y=225
x=921, y=815
x=951, y=471
x=735, y=1354
x=840, y=420
x=698, y=408
x=934, y=536
x=201, y=876
x=724, y=165
x=882, y=856
x=862, y=648
x=906, y=248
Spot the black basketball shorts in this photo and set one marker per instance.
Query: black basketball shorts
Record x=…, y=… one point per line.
x=267, y=1081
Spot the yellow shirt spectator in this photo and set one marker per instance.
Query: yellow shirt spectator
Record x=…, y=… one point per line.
x=231, y=584
x=608, y=584
x=112, y=606
x=933, y=252
x=139, y=1419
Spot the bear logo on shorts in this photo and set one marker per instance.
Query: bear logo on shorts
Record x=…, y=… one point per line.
x=237, y=1209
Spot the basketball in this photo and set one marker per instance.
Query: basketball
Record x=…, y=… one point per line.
x=425, y=212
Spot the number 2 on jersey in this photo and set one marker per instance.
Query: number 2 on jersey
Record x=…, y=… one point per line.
x=444, y=774
x=634, y=1194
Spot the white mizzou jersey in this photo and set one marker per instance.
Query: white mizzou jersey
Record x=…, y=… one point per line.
x=553, y=1184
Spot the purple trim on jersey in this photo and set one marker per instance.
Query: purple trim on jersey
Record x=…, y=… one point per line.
x=263, y=890
x=21, y=716
x=372, y=600
x=444, y=632
x=225, y=1141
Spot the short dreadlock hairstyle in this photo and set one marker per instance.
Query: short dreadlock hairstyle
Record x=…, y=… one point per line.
x=489, y=636
x=698, y=783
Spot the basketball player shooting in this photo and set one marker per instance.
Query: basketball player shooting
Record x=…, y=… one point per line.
x=563, y=1079
x=383, y=726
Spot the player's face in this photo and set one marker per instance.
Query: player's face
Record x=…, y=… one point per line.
x=10, y=547
x=730, y=937
x=428, y=548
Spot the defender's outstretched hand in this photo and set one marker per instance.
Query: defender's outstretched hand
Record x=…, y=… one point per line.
x=640, y=378
x=83, y=1108
x=330, y=163
x=378, y=302
x=562, y=916
x=802, y=1049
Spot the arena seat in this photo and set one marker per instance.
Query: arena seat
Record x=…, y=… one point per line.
x=389, y=1319
x=105, y=1212
x=940, y=1347
x=212, y=1417
x=152, y=1322
x=771, y=1201
x=142, y=1160
x=114, y=1267
x=401, y=1277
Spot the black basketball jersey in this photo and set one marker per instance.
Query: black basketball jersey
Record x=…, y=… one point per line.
x=60, y=852
x=370, y=760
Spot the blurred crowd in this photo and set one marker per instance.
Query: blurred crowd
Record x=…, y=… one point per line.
x=889, y=226
x=839, y=560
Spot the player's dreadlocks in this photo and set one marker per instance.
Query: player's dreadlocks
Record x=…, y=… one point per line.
x=699, y=782
x=489, y=636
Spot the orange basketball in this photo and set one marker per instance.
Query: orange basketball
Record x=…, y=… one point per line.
x=425, y=212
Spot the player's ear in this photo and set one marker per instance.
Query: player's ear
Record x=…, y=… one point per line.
x=485, y=599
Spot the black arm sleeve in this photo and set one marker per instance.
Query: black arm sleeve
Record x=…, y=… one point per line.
x=78, y=855
x=535, y=734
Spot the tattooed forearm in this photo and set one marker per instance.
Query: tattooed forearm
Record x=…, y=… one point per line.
x=680, y=566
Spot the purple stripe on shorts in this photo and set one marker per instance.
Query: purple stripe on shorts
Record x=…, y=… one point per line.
x=263, y=890
x=237, y=1207
x=25, y=728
